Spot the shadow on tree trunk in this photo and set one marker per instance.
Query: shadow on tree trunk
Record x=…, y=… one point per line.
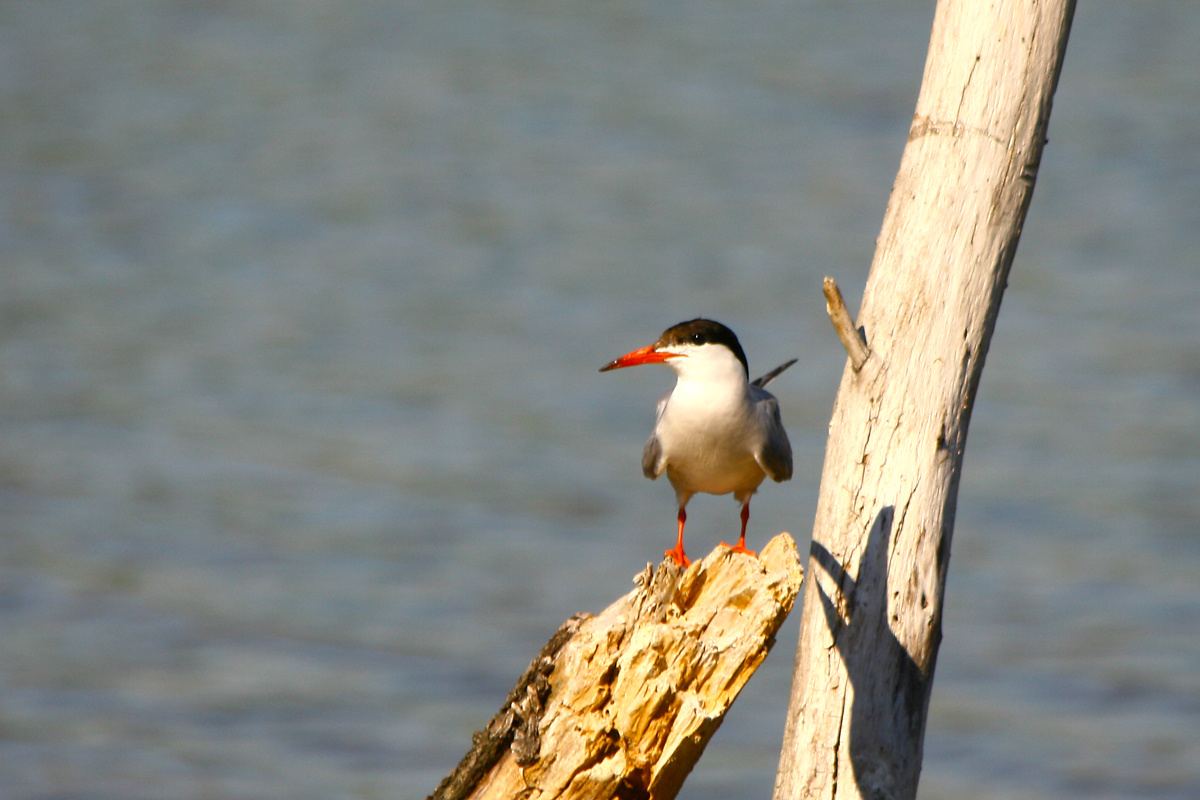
x=863, y=636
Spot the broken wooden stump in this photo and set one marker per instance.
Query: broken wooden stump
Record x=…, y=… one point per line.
x=622, y=704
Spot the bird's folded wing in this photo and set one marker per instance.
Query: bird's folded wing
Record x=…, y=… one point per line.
x=775, y=457
x=652, y=458
x=652, y=465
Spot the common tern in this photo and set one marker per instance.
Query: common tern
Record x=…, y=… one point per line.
x=717, y=431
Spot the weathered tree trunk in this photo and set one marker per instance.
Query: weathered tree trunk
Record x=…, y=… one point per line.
x=621, y=705
x=881, y=540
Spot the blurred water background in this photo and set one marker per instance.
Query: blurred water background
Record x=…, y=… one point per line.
x=303, y=451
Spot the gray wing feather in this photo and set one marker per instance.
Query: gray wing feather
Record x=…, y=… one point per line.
x=776, y=455
x=652, y=460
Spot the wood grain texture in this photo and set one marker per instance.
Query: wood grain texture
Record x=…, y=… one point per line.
x=635, y=692
x=872, y=616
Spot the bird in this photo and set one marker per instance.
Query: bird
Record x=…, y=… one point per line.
x=716, y=432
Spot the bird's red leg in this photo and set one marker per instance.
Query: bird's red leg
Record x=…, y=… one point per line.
x=680, y=557
x=740, y=547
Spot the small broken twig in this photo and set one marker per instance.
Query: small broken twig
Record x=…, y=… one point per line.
x=852, y=338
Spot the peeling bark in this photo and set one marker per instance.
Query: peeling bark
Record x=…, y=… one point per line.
x=621, y=705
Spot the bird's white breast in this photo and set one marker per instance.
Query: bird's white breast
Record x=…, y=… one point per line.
x=709, y=434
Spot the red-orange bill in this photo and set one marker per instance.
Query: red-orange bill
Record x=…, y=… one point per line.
x=647, y=355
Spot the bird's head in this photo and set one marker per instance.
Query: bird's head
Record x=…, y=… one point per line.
x=699, y=349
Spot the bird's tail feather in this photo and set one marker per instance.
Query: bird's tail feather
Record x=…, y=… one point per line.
x=772, y=375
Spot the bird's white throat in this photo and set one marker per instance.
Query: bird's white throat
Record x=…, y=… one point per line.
x=712, y=364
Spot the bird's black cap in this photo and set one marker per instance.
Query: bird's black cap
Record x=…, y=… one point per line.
x=701, y=331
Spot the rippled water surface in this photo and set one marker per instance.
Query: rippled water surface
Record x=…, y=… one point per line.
x=303, y=451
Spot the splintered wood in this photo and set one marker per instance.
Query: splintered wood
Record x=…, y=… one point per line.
x=634, y=694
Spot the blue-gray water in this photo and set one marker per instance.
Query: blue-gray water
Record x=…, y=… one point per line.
x=303, y=451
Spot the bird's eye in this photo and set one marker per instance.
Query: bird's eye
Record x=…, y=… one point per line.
x=698, y=338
